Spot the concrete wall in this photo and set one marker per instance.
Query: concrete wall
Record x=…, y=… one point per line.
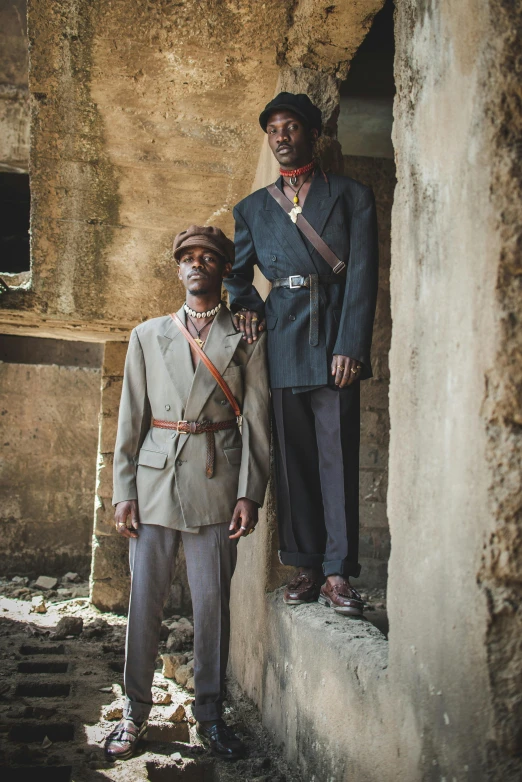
x=443, y=702
x=49, y=403
x=454, y=498
x=14, y=94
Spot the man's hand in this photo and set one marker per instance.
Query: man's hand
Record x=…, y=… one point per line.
x=346, y=370
x=244, y=518
x=123, y=511
x=249, y=324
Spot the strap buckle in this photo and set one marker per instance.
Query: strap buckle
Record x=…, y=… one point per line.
x=299, y=284
x=178, y=425
x=339, y=268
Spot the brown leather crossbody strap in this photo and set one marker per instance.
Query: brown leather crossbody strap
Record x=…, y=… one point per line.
x=209, y=365
x=311, y=234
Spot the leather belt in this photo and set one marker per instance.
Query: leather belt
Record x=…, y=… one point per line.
x=196, y=427
x=311, y=282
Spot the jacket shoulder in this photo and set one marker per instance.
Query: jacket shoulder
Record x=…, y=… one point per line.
x=254, y=200
x=345, y=184
x=152, y=326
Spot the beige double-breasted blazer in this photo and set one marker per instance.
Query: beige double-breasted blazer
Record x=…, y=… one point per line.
x=165, y=470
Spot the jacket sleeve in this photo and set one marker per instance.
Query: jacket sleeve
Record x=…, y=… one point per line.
x=133, y=422
x=239, y=282
x=255, y=460
x=354, y=338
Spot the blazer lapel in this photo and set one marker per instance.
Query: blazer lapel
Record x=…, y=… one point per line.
x=220, y=346
x=176, y=355
x=288, y=234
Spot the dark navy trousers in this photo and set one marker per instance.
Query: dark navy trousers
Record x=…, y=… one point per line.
x=317, y=435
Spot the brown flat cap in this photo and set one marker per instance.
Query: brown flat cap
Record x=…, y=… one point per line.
x=204, y=236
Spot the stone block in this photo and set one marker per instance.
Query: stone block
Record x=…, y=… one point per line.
x=374, y=394
x=178, y=714
x=373, y=456
x=114, y=359
x=373, y=514
x=45, y=582
x=168, y=732
x=373, y=485
x=171, y=663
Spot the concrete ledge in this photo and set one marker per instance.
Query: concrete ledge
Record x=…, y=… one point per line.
x=320, y=681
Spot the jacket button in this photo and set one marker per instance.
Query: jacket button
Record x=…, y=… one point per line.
x=224, y=402
x=273, y=258
x=172, y=436
x=179, y=463
x=291, y=317
x=167, y=407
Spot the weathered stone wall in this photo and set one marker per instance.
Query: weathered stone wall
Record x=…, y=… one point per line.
x=454, y=497
x=48, y=437
x=14, y=94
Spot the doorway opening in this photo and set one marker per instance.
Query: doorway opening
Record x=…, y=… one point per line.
x=15, y=207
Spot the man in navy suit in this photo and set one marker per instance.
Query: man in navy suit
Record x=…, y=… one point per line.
x=319, y=326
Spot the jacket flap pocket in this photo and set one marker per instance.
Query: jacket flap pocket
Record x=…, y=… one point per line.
x=152, y=459
x=233, y=455
x=271, y=321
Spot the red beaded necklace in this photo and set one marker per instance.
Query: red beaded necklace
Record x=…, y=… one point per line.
x=297, y=171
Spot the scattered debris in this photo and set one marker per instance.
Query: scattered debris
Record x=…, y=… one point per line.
x=69, y=625
x=38, y=605
x=171, y=663
x=178, y=714
x=72, y=577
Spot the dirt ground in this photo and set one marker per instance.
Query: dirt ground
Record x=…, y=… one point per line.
x=61, y=694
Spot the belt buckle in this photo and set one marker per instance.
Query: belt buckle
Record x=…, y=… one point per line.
x=178, y=425
x=295, y=277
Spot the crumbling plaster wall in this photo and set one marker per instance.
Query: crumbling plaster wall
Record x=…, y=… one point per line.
x=48, y=443
x=14, y=94
x=455, y=497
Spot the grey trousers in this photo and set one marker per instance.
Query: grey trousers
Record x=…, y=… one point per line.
x=211, y=560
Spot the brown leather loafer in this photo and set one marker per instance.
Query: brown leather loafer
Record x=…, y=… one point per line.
x=303, y=588
x=343, y=598
x=122, y=742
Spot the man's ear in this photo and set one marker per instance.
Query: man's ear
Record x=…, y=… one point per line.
x=227, y=268
x=314, y=135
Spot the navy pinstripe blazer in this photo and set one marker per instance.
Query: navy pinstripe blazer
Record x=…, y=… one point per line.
x=342, y=211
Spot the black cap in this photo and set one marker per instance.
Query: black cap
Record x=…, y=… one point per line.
x=298, y=104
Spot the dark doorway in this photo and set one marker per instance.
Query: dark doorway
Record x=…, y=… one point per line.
x=367, y=94
x=15, y=203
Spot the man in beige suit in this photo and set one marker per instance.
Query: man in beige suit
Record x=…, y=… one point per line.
x=183, y=468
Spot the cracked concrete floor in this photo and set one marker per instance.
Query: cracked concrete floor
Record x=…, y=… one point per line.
x=56, y=695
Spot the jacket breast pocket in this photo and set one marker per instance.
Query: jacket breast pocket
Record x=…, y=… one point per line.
x=233, y=456
x=155, y=459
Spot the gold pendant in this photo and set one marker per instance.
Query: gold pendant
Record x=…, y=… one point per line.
x=294, y=212
x=199, y=342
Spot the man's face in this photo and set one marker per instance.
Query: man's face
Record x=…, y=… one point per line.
x=290, y=140
x=201, y=271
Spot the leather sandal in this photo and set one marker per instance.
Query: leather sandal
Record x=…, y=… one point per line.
x=343, y=598
x=122, y=742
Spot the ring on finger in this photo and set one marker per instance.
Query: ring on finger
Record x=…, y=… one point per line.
x=254, y=319
x=250, y=531
x=241, y=316
x=243, y=528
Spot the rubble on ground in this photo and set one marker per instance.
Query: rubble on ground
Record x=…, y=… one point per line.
x=50, y=641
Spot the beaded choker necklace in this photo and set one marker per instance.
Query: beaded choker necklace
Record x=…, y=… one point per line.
x=292, y=175
x=208, y=314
